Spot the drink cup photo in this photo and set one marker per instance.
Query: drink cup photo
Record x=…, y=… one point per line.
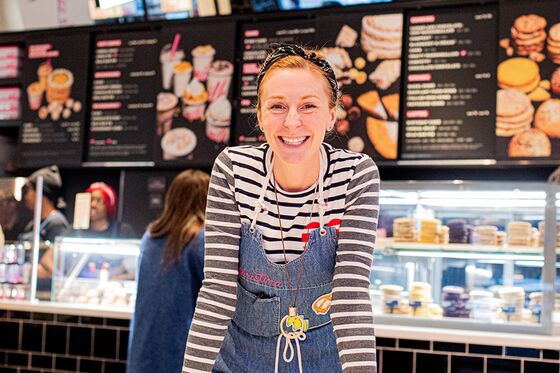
x=219, y=79
x=182, y=73
x=203, y=55
x=35, y=95
x=168, y=60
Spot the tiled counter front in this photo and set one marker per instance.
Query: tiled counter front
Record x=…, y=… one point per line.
x=52, y=342
x=406, y=355
x=46, y=342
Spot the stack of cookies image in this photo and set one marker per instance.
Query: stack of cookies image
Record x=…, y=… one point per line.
x=553, y=43
x=381, y=36
x=520, y=233
x=514, y=112
x=519, y=73
x=528, y=35
x=547, y=118
x=403, y=230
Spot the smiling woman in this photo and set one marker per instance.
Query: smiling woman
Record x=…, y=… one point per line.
x=290, y=232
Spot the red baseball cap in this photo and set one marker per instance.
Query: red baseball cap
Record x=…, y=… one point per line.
x=109, y=196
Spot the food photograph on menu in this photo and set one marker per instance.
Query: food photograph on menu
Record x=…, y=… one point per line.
x=55, y=91
x=528, y=96
x=365, y=53
x=194, y=104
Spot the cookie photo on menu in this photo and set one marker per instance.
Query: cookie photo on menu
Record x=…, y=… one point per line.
x=553, y=43
x=528, y=35
x=514, y=112
x=547, y=118
x=531, y=143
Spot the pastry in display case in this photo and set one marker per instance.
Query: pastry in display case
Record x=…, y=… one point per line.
x=95, y=271
x=467, y=255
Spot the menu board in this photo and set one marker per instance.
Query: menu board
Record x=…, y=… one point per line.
x=528, y=98
x=449, y=106
x=55, y=86
x=194, y=102
x=256, y=39
x=365, y=53
x=122, y=109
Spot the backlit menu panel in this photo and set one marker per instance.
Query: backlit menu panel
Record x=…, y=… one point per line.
x=449, y=107
x=122, y=108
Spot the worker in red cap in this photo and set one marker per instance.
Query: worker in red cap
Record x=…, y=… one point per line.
x=103, y=223
x=103, y=213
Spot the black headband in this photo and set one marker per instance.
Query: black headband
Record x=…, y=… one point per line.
x=286, y=50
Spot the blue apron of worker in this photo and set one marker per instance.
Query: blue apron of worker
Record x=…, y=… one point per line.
x=263, y=297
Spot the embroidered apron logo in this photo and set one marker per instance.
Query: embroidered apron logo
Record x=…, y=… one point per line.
x=322, y=305
x=261, y=278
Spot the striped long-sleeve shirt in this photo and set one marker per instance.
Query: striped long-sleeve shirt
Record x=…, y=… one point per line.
x=351, y=189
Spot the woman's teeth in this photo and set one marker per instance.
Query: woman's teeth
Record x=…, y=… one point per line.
x=293, y=140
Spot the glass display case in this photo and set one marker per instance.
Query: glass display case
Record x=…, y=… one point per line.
x=95, y=271
x=467, y=255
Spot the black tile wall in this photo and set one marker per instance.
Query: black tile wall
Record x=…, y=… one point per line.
x=80, y=341
x=503, y=366
x=485, y=350
x=467, y=364
x=537, y=367
x=522, y=352
x=87, y=365
x=68, y=318
x=42, y=342
x=17, y=358
x=433, y=363
x=414, y=344
x=105, y=343
x=65, y=363
x=386, y=342
x=21, y=315
x=32, y=339
x=550, y=354
x=115, y=367
x=10, y=335
x=91, y=320
x=118, y=322
x=42, y=316
x=123, y=344
x=446, y=346
x=397, y=361
x=56, y=339
x=42, y=361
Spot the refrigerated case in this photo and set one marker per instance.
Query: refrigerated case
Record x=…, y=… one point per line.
x=95, y=271
x=448, y=255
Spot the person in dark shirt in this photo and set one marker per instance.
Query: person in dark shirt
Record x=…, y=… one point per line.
x=53, y=222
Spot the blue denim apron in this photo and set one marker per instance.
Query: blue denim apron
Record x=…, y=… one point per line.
x=263, y=297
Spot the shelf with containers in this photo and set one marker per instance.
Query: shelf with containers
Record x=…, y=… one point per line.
x=467, y=255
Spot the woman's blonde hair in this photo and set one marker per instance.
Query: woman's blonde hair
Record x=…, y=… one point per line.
x=183, y=213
